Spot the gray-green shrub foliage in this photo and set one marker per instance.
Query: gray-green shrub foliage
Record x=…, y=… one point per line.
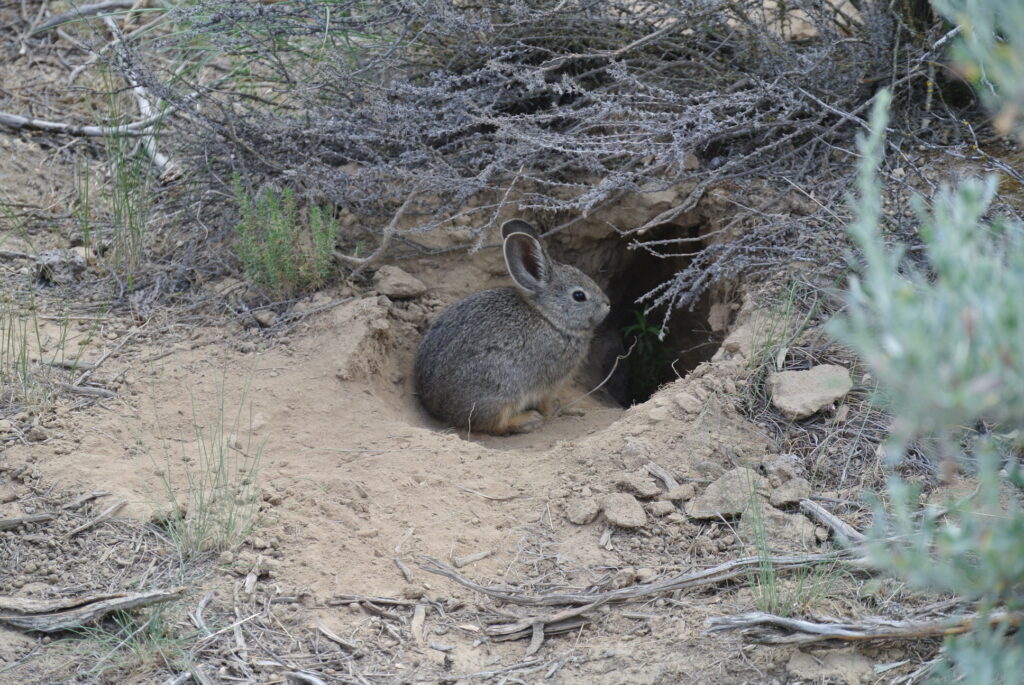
x=990, y=51
x=945, y=339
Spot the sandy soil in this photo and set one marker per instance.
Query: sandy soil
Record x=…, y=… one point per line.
x=355, y=475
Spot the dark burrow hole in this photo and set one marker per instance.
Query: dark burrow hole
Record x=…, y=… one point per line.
x=653, y=361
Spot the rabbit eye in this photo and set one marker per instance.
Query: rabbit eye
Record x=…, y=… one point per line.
x=579, y=296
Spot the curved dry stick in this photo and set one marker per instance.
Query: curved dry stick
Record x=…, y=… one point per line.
x=82, y=12
x=389, y=232
x=684, y=581
x=136, y=128
x=90, y=609
x=607, y=378
x=759, y=625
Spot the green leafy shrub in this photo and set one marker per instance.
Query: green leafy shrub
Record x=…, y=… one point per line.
x=282, y=251
x=990, y=52
x=945, y=339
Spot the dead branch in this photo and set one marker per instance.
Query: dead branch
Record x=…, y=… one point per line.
x=8, y=524
x=136, y=128
x=685, y=581
x=106, y=355
x=89, y=496
x=460, y=562
x=416, y=626
x=662, y=474
x=38, y=615
x=71, y=364
x=304, y=677
x=350, y=646
x=87, y=391
x=361, y=599
x=535, y=627
x=406, y=571
x=772, y=629
x=846, y=533
x=83, y=12
x=389, y=232
x=14, y=254
x=103, y=516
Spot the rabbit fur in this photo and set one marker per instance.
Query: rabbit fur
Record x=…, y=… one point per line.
x=493, y=361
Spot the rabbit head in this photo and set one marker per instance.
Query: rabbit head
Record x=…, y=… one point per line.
x=562, y=294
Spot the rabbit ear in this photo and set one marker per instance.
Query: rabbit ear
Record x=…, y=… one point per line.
x=518, y=226
x=527, y=262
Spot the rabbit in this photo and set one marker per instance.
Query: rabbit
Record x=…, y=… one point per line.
x=493, y=361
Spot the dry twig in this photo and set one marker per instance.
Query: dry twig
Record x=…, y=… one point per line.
x=772, y=629
x=103, y=516
x=8, y=524
x=54, y=616
x=684, y=581
x=85, y=11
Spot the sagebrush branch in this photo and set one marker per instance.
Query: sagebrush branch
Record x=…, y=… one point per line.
x=684, y=581
x=85, y=11
x=136, y=128
x=772, y=629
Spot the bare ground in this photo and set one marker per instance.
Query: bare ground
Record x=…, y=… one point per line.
x=359, y=486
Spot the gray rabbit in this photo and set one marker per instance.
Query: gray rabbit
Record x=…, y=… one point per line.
x=493, y=361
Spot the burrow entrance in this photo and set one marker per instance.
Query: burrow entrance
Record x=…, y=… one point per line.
x=626, y=275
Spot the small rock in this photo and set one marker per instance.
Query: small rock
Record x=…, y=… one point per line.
x=688, y=403
x=581, y=510
x=719, y=316
x=635, y=453
x=791, y=492
x=730, y=495
x=36, y=434
x=681, y=493
x=59, y=267
x=645, y=575
x=6, y=426
x=799, y=394
x=661, y=508
x=783, y=467
x=396, y=283
x=675, y=517
x=638, y=483
x=265, y=317
x=782, y=532
x=623, y=510
x=821, y=533
x=624, y=578
x=660, y=414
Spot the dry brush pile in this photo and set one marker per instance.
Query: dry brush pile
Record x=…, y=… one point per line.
x=442, y=112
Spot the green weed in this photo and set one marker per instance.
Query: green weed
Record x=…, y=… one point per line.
x=26, y=369
x=280, y=250
x=131, y=646
x=648, y=359
x=801, y=589
x=221, y=497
